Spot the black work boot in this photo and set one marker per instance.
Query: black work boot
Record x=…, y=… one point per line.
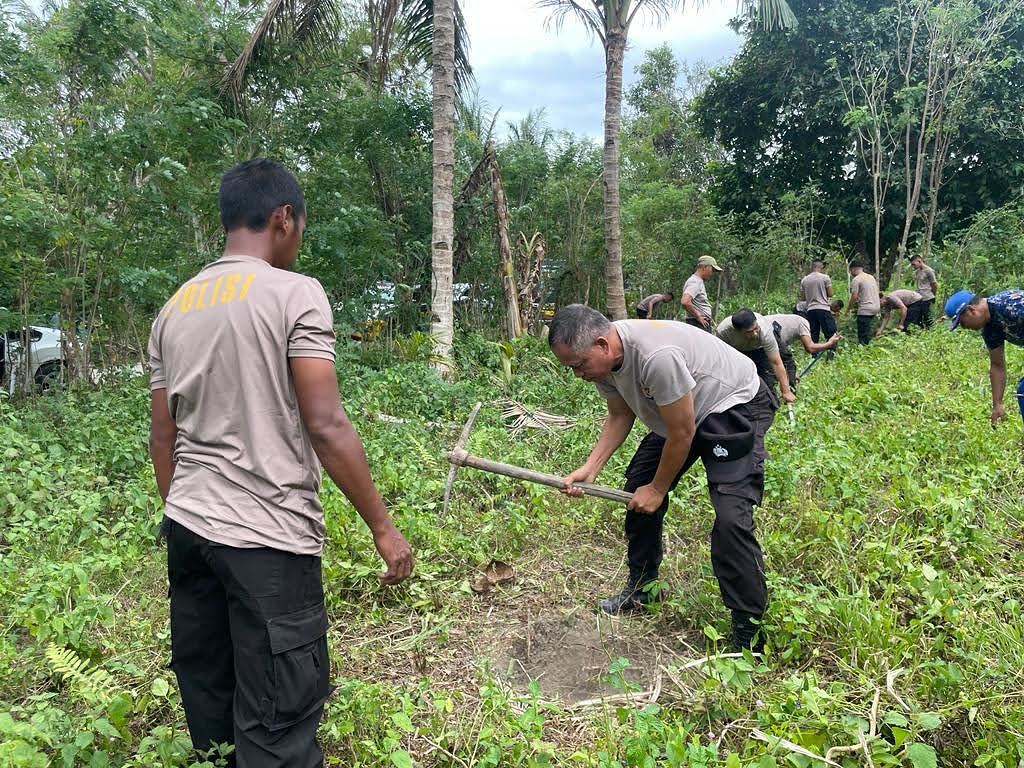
x=632, y=599
x=745, y=633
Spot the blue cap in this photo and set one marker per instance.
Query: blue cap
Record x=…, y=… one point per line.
x=956, y=304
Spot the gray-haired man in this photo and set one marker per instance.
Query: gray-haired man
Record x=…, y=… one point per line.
x=701, y=399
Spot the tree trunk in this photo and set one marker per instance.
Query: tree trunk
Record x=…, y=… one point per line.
x=889, y=267
x=529, y=275
x=513, y=328
x=615, y=49
x=443, y=82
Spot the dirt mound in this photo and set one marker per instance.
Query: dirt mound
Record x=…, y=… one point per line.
x=569, y=654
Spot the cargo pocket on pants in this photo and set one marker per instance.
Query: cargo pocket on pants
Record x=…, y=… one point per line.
x=298, y=644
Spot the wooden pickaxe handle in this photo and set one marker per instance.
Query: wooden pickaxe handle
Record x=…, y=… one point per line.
x=461, y=458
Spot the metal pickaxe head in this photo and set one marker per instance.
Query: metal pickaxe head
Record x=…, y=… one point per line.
x=457, y=457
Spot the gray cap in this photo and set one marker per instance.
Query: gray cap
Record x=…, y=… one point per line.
x=708, y=261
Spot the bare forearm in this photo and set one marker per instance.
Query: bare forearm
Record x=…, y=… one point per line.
x=673, y=455
x=997, y=376
x=780, y=374
x=161, y=453
x=690, y=309
x=341, y=453
x=613, y=434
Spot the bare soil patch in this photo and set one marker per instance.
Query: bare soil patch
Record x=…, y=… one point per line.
x=568, y=654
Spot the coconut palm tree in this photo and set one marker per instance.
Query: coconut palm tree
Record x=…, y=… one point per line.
x=442, y=320
x=423, y=30
x=610, y=20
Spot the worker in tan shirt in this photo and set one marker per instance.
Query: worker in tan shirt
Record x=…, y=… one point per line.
x=816, y=290
x=647, y=307
x=695, y=299
x=904, y=301
x=245, y=408
x=925, y=284
x=865, y=299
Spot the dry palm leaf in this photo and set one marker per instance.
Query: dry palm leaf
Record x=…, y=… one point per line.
x=527, y=418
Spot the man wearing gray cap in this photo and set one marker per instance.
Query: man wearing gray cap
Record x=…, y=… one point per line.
x=695, y=296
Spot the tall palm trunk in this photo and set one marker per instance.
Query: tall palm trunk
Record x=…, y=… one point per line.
x=443, y=81
x=610, y=20
x=614, y=52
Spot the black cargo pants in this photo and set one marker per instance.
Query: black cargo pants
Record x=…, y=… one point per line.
x=925, y=318
x=735, y=554
x=916, y=314
x=822, y=322
x=249, y=648
x=865, y=325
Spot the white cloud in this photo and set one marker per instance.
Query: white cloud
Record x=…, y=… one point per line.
x=521, y=63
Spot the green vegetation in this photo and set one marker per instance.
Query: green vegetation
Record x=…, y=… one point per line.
x=892, y=529
x=893, y=525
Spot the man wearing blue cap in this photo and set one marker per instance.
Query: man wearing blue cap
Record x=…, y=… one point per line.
x=1000, y=318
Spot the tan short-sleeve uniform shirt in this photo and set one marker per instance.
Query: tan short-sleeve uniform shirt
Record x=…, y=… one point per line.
x=664, y=360
x=246, y=474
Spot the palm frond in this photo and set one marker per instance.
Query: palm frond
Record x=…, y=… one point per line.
x=21, y=9
x=311, y=23
x=317, y=22
x=769, y=14
x=417, y=28
x=561, y=10
x=659, y=10
x=271, y=21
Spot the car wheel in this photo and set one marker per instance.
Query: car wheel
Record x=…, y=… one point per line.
x=48, y=376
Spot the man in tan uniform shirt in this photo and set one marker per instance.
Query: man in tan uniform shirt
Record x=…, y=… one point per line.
x=904, y=301
x=701, y=400
x=244, y=403
x=865, y=299
x=816, y=290
x=695, y=299
x=925, y=284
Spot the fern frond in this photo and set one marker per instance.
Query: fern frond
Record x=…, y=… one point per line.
x=94, y=685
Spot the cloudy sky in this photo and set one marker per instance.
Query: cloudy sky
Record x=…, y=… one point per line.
x=522, y=65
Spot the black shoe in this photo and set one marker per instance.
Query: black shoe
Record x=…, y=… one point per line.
x=632, y=599
x=745, y=633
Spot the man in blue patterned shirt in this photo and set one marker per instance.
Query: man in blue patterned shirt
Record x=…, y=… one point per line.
x=1000, y=318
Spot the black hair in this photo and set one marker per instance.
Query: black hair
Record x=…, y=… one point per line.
x=576, y=326
x=251, y=191
x=978, y=298
x=670, y=295
x=742, y=319
x=817, y=262
x=836, y=302
x=856, y=264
